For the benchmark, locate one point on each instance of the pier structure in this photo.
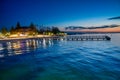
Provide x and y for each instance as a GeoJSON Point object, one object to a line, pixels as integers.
{"type": "Point", "coordinates": [80, 38]}
{"type": "Point", "coordinates": [66, 38]}
{"type": "Point", "coordinates": [87, 38]}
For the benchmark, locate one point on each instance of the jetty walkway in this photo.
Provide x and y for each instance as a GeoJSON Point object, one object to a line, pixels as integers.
{"type": "Point", "coordinates": [87, 38]}
{"type": "Point", "coordinates": [66, 38]}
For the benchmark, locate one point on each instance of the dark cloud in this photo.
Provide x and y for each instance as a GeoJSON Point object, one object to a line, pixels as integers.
{"type": "Point", "coordinates": [113, 18]}
{"type": "Point", "coordinates": [80, 27]}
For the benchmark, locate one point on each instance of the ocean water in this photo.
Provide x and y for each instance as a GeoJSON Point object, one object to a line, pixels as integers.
{"type": "Point", "coordinates": [60, 60]}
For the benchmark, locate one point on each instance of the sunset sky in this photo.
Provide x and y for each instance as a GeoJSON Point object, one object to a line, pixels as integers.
{"type": "Point", "coordinates": [60, 13]}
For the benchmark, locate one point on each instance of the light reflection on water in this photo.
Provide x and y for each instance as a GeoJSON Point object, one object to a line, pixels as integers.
{"type": "Point", "coordinates": [59, 60]}
{"type": "Point", "coordinates": [20, 47]}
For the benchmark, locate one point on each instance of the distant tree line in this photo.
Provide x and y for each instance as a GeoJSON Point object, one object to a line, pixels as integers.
{"type": "Point", "coordinates": [46, 30]}
{"type": "Point", "coordinates": [32, 26]}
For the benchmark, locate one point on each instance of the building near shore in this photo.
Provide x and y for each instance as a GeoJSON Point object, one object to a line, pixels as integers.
{"type": "Point", "coordinates": [23, 31]}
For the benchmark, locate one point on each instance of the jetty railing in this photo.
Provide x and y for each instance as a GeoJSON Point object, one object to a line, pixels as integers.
{"type": "Point", "coordinates": [87, 38]}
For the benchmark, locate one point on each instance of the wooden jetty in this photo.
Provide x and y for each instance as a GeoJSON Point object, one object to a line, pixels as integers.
{"type": "Point", "coordinates": [66, 38]}
{"type": "Point", "coordinates": [87, 38]}
{"type": "Point", "coordinates": [80, 38]}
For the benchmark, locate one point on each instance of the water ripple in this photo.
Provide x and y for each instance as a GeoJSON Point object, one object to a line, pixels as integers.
{"type": "Point", "coordinates": [59, 60]}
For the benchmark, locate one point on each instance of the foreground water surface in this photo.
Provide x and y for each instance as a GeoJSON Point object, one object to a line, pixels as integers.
{"type": "Point", "coordinates": [60, 60]}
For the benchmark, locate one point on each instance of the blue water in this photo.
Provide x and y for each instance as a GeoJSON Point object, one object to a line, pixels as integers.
{"type": "Point", "coordinates": [59, 60]}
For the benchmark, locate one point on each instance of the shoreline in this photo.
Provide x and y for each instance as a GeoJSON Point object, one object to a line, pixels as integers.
{"type": "Point", "coordinates": [68, 37]}
{"type": "Point", "coordinates": [24, 38]}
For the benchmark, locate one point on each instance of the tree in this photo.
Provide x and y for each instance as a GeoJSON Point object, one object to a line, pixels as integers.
{"type": "Point", "coordinates": [18, 25]}
{"type": "Point", "coordinates": [4, 30]}
{"type": "Point", "coordinates": [12, 30]}
{"type": "Point", "coordinates": [33, 27]}
{"type": "Point", "coordinates": [41, 31]}
{"type": "Point", "coordinates": [55, 30]}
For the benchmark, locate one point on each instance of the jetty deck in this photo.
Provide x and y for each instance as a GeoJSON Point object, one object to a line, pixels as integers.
{"type": "Point", "coordinates": [87, 38]}
{"type": "Point", "coordinates": [67, 38]}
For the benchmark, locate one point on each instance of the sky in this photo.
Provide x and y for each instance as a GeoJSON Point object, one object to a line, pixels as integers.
{"type": "Point", "coordinates": [59, 13]}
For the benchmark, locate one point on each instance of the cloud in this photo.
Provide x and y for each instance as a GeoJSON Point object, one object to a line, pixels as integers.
{"type": "Point", "coordinates": [113, 18]}
{"type": "Point", "coordinates": [80, 27]}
